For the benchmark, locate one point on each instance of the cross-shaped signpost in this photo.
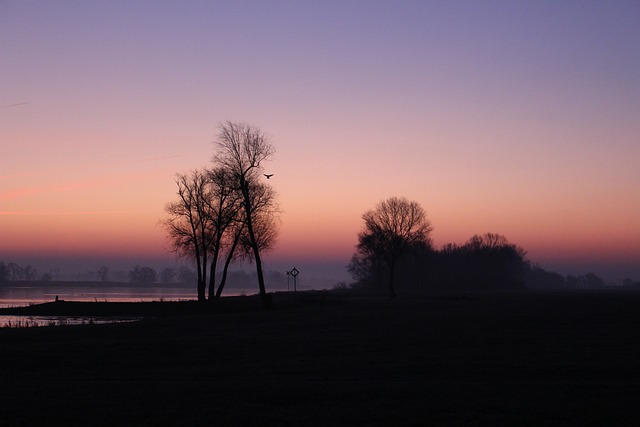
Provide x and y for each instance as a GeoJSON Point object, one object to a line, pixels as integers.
{"type": "Point", "coordinates": [294, 273]}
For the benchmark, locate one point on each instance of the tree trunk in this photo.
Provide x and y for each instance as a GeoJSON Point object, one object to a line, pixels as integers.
{"type": "Point", "coordinates": [201, 291]}
{"type": "Point", "coordinates": [200, 286]}
{"type": "Point", "coordinates": [392, 268]}
{"type": "Point", "coordinates": [266, 301]}
{"type": "Point", "coordinates": [223, 280]}
{"type": "Point", "coordinates": [212, 271]}
{"type": "Point", "coordinates": [204, 278]}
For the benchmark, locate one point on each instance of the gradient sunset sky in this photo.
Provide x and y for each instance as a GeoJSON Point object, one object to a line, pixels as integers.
{"type": "Point", "coordinates": [513, 117]}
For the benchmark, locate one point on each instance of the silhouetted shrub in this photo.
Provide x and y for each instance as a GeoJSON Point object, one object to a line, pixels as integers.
{"type": "Point", "coordinates": [143, 275]}
{"type": "Point", "coordinates": [484, 262]}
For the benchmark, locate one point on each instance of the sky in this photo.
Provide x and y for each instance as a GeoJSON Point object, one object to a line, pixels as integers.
{"type": "Point", "coordinates": [520, 118]}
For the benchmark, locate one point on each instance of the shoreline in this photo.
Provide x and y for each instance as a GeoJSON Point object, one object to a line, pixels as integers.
{"type": "Point", "coordinates": [348, 359]}
{"type": "Point", "coordinates": [160, 308]}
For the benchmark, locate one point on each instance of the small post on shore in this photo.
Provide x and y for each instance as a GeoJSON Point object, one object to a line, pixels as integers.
{"type": "Point", "coordinates": [295, 273]}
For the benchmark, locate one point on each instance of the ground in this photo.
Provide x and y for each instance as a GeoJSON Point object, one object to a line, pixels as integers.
{"type": "Point", "coordinates": [470, 359]}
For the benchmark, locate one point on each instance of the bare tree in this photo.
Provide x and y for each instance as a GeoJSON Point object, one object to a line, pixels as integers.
{"type": "Point", "coordinates": [390, 230]}
{"type": "Point", "coordinates": [143, 275]}
{"type": "Point", "coordinates": [222, 206]}
{"type": "Point", "coordinates": [103, 274]}
{"type": "Point", "coordinates": [167, 274]}
{"type": "Point", "coordinates": [241, 149]}
{"type": "Point", "coordinates": [487, 241]}
{"type": "Point", "coordinates": [4, 272]}
{"type": "Point", "coordinates": [265, 225]}
{"type": "Point", "coordinates": [186, 275]}
{"type": "Point", "coordinates": [189, 225]}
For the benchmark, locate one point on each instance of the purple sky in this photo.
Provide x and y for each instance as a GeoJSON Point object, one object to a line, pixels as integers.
{"type": "Point", "coordinates": [518, 118]}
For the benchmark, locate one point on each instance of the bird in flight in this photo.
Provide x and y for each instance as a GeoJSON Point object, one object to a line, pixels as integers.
{"type": "Point", "coordinates": [269, 175]}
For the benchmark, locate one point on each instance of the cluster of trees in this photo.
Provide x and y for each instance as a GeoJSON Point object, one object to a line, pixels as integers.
{"type": "Point", "coordinates": [181, 274]}
{"type": "Point", "coordinates": [13, 272]}
{"type": "Point", "coordinates": [226, 211]}
{"type": "Point", "coordinates": [487, 261]}
{"type": "Point", "coordinates": [395, 246]}
{"type": "Point", "coordinates": [538, 278]}
{"type": "Point", "coordinates": [144, 274]}
{"type": "Point", "coordinates": [167, 275]}
{"type": "Point", "coordinates": [393, 230]}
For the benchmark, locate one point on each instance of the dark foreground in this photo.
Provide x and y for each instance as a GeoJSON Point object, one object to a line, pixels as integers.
{"type": "Point", "coordinates": [479, 359]}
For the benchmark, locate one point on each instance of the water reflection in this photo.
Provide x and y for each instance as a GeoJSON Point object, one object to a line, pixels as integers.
{"type": "Point", "coordinates": [39, 321]}
{"type": "Point", "coordinates": [18, 294]}
{"type": "Point", "coordinates": [26, 293]}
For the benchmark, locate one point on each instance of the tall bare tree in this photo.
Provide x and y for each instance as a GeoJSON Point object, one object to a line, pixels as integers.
{"type": "Point", "coordinates": [200, 220]}
{"type": "Point", "coordinates": [223, 207]}
{"type": "Point", "coordinates": [241, 149]}
{"type": "Point", "coordinates": [390, 230]}
{"type": "Point", "coordinates": [189, 223]}
{"type": "Point", "coordinates": [265, 225]}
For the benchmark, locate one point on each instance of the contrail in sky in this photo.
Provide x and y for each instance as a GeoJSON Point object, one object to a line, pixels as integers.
{"type": "Point", "coordinates": [13, 105]}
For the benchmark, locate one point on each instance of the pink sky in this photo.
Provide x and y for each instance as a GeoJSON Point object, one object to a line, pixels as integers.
{"type": "Point", "coordinates": [519, 119]}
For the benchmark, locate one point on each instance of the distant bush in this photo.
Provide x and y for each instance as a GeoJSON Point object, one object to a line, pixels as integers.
{"type": "Point", "coordinates": [143, 275]}
{"type": "Point", "coordinates": [487, 262]}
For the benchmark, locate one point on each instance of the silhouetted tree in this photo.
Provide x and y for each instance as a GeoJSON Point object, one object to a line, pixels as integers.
{"type": "Point", "coordinates": [590, 281]}
{"type": "Point", "coordinates": [203, 221]}
{"type": "Point", "coordinates": [241, 149]}
{"type": "Point", "coordinates": [587, 281]}
{"type": "Point", "coordinates": [143, 275]}
{"type": "Point", "coordinates": [4, 272]}
{"type": "Point", "coordinates": [491, 262]}
{"type": "Point", "coordinates": [103, 274]}
{"type": "Point", "coordinates": [167, 275]}
{"type": "Point", "coordinates": [190, 225]}
{"type": "Point", "coordinates": [571, 281]}
{"type": "Point", "coordinates": [390, 231]}
{"type": "Point", "coordinates": [224, 207]}
{"type": "Point", "coordinates": [367, 264]}
{"type": "Point", "coordinates": [486, 242]}
{"type": "Point", "coordinates": [15, 272]}
{"type": "Point", "coordinates": [186, 275]}
{"type": "Point", "coordinates": [630, 283]}
{"type": "Point", "coordinates": [30, 273]}
{"type": "Point", "coordinates": [539, 278]}
{"type": "Point", "coordinates": [484, 262]}
{"type": "Point", "coordinates": [265, 224]}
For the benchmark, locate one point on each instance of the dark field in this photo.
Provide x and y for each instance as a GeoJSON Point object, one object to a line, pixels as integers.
{"type": "Point", "coordinates": [454, 360]}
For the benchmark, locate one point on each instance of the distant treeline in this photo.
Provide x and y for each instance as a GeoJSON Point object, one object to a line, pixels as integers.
{"type": "Point", "coordinates": [12, 272]}
{"type": "Point", "coordinates": [487, 262]}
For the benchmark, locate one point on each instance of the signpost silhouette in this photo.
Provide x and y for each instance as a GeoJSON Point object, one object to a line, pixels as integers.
{"type": "Point", "coordinates": [294, 273]}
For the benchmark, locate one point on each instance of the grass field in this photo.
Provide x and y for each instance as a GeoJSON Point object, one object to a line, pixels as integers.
{"type": "Point", "coordinates": [482, 359]}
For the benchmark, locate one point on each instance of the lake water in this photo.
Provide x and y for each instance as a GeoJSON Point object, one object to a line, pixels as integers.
{"type": "Point", "coordinates": [17, 294]}
{"type": "Point", "coordinates": [36, 321]}
{"type": "Point", "coordinates": [25, 293]}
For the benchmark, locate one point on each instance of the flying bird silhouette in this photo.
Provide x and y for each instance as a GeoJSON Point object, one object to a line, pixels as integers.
{"type": "Point", "coordinates": [268, 175]}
